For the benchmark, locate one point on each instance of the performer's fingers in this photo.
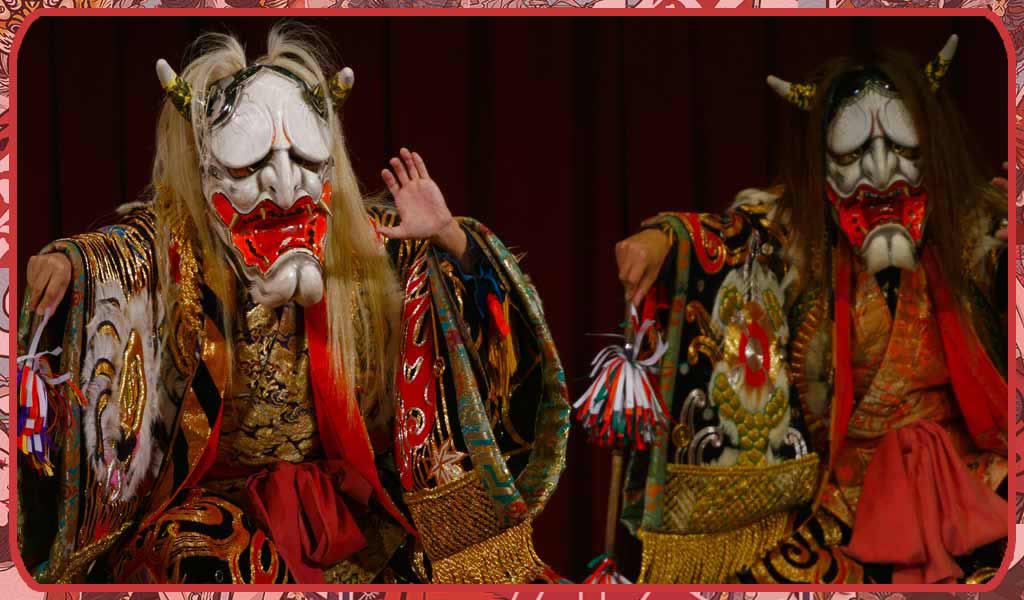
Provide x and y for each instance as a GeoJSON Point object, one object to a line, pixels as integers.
{"type": "Point", "coordinates": [622, 252]}
{"type": "Point", "coordinates": [420, 165]}
{"type": "Point", "coordinates": [35, 292]}
{"type": "Point", "coordinates": [634, 273]}
{"type": "Point", "coordinates": [395, 233]}
{"type": "Point", "coordinates": [389, 180]}
{"type": "Point", "coordinates": [53, 294]}
{"type": "Point", "coordinates": [36, 280]}
{"type": "Point", "coordinates": [399, 170]}
{"type": "Point", "coordinates": [645, 285]}
{"type": "Point", "coordinates": [409, 165]}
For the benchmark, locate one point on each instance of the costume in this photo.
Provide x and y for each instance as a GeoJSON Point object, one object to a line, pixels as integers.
{"type": "Point", "coordinates": [217, 424]}
{"type": "Point", "coordinates": [839, 412]}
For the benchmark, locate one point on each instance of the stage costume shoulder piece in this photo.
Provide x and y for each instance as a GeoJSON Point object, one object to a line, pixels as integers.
{"type": "Point", "coordinates": [208, 436]}
{"type": "Point", "coordinates": [845, 428]}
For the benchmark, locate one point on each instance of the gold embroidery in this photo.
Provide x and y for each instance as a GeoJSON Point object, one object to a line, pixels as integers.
{"type": "Point", "coordinates": [453, 516]}
{"type": "Point", "coordinates": [132, 395]}
{"type": "Point", "coordinates": [753, 428]}
{"type": "Point", "coordinates": [187, 313]}
{"type": "Point", "coordinates": [798, 349]}
{"type": "Point", "coordinates": [462, 537]}
{"type": "Point", "coordinates": [269, 416]}
{"type": "Point", "coordinates": [708, 558]}
{"type": "Point", "coordinates": [208, 526]}
{"type": "Point", "coordinates": [703, 499]}
{"type": "Point", "coordinates": [900, 377]}
{"type": "Point", "coordinates": [804, 557]}
{"type": "Point", "coordinates": [122, 253]}
{"type": "Point", "coordinates": [508, 557]}
{"type": "Point", "coordinates": [78, 565]}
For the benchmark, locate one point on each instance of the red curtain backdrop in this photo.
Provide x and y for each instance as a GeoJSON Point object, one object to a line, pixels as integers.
{"type": "Point", "coordinates": [559, 133]}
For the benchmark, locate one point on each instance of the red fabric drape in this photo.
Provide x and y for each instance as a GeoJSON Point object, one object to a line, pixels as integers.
{"type": "Point", "coordinates": [920, 499]}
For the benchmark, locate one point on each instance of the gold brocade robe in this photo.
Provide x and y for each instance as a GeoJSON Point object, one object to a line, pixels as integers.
{"type": "Point", "coordinates": [785, 511]}
{"type": "Point", "coordinates": [146, 349]}
{"type": "Point", "coordinates": [900, 377]}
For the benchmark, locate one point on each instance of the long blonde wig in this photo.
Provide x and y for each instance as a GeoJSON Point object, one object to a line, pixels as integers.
{"type": "Point", "coordinates": [361, 288]}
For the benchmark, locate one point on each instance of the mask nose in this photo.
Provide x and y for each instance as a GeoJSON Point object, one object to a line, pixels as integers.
{"type": "Point", "coordinates": [880, 163]}
{"type": "Point", "coordinates": [281, 178]}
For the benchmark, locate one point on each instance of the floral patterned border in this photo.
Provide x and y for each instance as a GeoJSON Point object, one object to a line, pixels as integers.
{"type": "Point", "coordinates": [13, 14]}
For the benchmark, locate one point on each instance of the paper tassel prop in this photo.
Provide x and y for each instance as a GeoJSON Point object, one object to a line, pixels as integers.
{"type": "Point", "coordinates": [605, 572]}
{"type": "Point", "coordinates": [39, 393]}
{"type": "Point", "coordinates": [621, 408]}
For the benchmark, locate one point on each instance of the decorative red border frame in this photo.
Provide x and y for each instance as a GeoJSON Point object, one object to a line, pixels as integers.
{"type": "Point", "coordinates": [20, 15]}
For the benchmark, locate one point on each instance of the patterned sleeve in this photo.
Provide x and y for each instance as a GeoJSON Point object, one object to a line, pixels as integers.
{"type": "Point", "coordinates": [107, 330]}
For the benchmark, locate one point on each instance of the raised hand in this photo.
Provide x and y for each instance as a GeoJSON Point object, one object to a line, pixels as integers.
{"type": "Point", "coordinates": [421, 206]}
{"type": "Point", "coordinates": [639, 258]}
{"type": "Point", "coordinates": [47, 277]}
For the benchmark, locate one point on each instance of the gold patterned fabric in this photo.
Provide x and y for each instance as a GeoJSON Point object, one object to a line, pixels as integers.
{"type": "Point", "coordinates": [812, 552]}
{"type": "Point", "coordinates": [720, 520]}
{"type": "Point", "coordinates": [900, 377]}
{"type": "Point", "coordinates": [269, 417]}
{"type": "Point", "coordinates": [709, 557]}
{"type": "Point", "coordinates": [464, 540]}
{"type": "Point", "coordinates": [699, 522]}
{"type": "Point", "coordinates": [702, 499]}
{"type": "Point", "coordinates": [194, 522]}
{"type": "Point", "coordinates": [204, 537]}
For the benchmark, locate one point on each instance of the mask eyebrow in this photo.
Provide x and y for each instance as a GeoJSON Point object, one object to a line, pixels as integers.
{"type": "Point", "coordinates": [245, 138]}
{"type": "Point", "coordinates": [308, 134]}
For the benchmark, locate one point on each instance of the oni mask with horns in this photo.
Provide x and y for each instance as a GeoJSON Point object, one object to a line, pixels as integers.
{"type": "Point", "coordinates": [873, 160]}
{"type": "Point", "coordinates": [266, 173]}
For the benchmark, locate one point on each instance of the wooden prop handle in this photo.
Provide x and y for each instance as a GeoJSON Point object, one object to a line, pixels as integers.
{"type": "Point", "coordinates": [618, 458]}
{"type": "Point", "coordinates": [614, 492]}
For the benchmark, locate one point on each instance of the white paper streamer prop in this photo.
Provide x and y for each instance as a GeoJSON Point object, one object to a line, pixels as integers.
{"type": "Point", "coordinates": [621, 408]}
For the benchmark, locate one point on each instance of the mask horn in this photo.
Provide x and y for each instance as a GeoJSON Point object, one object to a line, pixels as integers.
{"type": "Point", "coordinates": [800, 95]}
{"type": "Point", "coordinates": [936, 70]}
{"type": "Point", "coordinates": [179, 92]}
{"type": "Point", "coordinates": [341, 86]}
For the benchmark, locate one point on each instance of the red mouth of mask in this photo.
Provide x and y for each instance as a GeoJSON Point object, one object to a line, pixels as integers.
{"type": "Point", "coordinates": [867, 208]}
{"type": "Point", "coordinates": [268, 232]}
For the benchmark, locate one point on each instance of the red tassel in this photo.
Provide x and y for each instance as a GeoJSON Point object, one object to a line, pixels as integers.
{"type": "Point", "coordinates": [498, 314]}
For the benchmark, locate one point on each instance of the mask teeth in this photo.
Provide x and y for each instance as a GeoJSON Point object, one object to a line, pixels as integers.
{"type": "Point", "coordinates": [327, 209]}
{"type": "Point", "coordinates": [234, 221]}
{"type": "Point", "coordinates": [263, 213]}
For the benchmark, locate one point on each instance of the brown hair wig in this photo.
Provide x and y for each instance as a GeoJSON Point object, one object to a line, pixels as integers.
{"type": "Point", "coordinates": [959, 192]}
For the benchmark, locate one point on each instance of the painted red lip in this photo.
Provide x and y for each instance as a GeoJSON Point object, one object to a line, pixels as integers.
{"type": "Point", "coordinates": [266, 233]}
{"type": "Point", "coordinates": [879, 207]}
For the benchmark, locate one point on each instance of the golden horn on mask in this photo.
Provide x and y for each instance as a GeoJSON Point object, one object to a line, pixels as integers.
{"type": "Point", "coordinates": [936, 69]}
{"type": "Point", "coordinates": [179, 92]}
{"type": "Point", "coordinates": [339, 86]}
{"type": "Point", "coordinates": [800, 95]}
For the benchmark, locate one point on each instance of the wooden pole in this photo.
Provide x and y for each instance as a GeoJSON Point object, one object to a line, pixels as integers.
{"type": "Point", "coordinates": [614, 493]}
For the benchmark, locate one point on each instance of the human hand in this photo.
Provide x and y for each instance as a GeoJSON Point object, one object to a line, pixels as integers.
{"type": "Point", "coordinates": [639, 258]}
{"type": "Point", "coordinates": [47, 277]}
{"type": "Point", "coordinates": [421, 206]}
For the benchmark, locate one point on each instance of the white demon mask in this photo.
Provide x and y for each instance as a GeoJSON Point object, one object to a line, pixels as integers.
{"type": "Point", "coordinates": [266, 167]}
{"type": "Point", "coordinates": [873, 173]}
{"type": "Point", "coordinates": [873, 161]}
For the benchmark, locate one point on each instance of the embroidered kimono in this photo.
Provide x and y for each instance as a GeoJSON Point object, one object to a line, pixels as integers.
{"type": "Point", "coordinates": [178, 464]}
{"type": "Point", "coordinates": [820, 435]}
